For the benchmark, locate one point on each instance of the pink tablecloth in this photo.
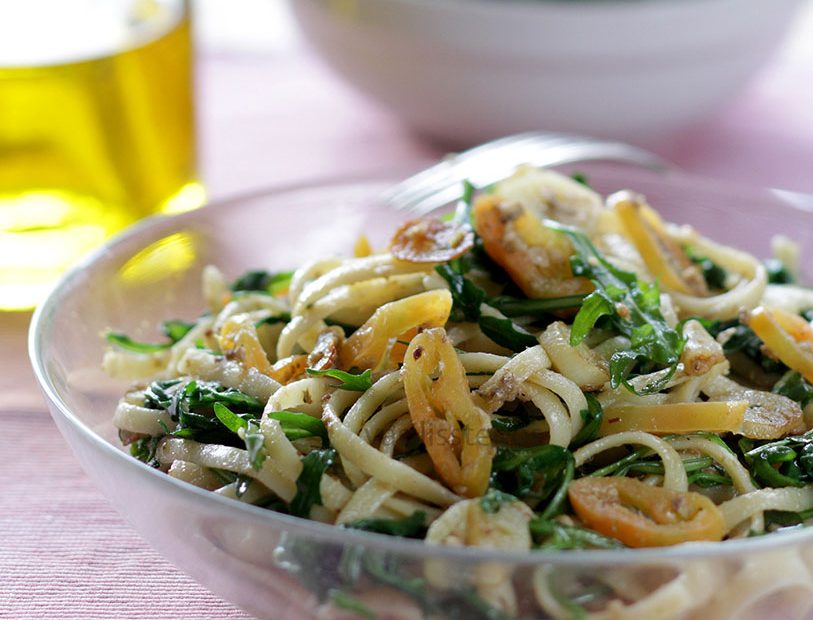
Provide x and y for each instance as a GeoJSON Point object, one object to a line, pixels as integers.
{"type": "Point", "coordinates": [271, 118]}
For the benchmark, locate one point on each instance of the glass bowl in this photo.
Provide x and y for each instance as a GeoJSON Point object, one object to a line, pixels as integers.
{"type": "Point", "coordinates": [277, 566]}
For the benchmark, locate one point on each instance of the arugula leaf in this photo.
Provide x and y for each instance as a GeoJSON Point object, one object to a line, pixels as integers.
{"type": "Point", "coordinates": [466, 296]}
{"type": "Point", "coordinates": [175, 329]}
{"type": "Point", "coordinates": [506, 333]}
{"type": "Point", "coordinates": [191, 405]}
{"type": "Point", "coordinates": [508, 424]}
{"type": "Point", "coordinates": [794, 386]}
{"type": "Point", "coordinates": [144, 450]}
{"type": "Point", "coordinates": [255, 445]}
{"type": "Point", "coordinates": [230, 420]}
{"type": "Point", "coordinates": [633, 308]}
{"type": "Point", "coordinates": [580, 177]}
{"type": "Point", "coordinates": [123, 341]}
{"type": "Point", "coordinates": [714, 275]}
{"type": "Point", "coordinates": [348, 602]}
{"type": "Point", "coordinates": [355, 383]}
{"type": "Point", "coordinates": [592, 416]}
{"type": "Point", "coordinates": [252, 434]}
{"type": "Point", "coordinates": [551, 534]}
{"type": "Point", "coordinates": [777, 272]}
{"type": "Point", "coordinates": [743, 340]}
{"type": "Point", "coordinates": [262, 281]}
{"type": "Point", "coordinates": [298, 425]}
{"type": "Point", "coordinates": [534, 475]}
{"type": "Point", "coordinates": [314, 464]}
{"type": "Point", "coordinates": [413, 526]}
{"type": "Point", "coordinates": [782, 463]}
{"type": "Point", "coordinates": [462, 213]}
{"type": "Point", "coordinates": [538, 308]}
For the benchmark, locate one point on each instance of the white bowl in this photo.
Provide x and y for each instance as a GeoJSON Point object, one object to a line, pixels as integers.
{"type": "Point", "coordinates": [466, 71]}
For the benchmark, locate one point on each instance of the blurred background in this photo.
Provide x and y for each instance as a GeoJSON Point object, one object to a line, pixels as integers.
{"type": "Point", "coordinates": [211, 99]}
{"type": "Point", "coordinates": [110, 111]}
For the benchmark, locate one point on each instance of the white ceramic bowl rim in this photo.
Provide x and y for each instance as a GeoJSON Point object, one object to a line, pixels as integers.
{"type": "Point", "coordinates": [331, 533]}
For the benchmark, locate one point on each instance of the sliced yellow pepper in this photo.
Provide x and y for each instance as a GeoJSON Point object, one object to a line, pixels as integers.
{"type": "Point", "coordinates": [238, 340]}
{"type": "Point", "coordinates": [663, 257]}
{"type": "Point", "coordinates": [369, 344]}
{"type": "Point", "coordinates": [713, 417]}
{"type": "Point", "coordinates": [453, 429]}
{"type": "Point", "coordinates": [536, 257]}
{"type": "Point", "coordinates": [787, 336]}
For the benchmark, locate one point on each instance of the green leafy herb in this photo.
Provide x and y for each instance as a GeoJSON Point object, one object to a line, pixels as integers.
{"type": "Point", "coordinates": [535, 475]}
{"type": "Point", "coordinates": [782, 463]}
{"type": "Point", "coordinates": [466, 296]}
{"type": "Point", "coordinates": [191, 405]}
{"type": "Point", "coordinates": [314, 464]}
{"type": "Point", "coordinates": [714, 275]}
{"type": "Point", "coordinates": [298, 425]}
{"type": "Point", "coordinates": [580, 177]}
{"type": "Point", "coordinates": [633, 309]}
{"type": "Point", "coordinates": [346, 601]}
{"type": "Point", "coordinates": [413, 526]}
{"type": "Point", "coordinates": [255, 445]}
{"type": "Point", "coordinates": [252, 435]}
{"type": "Point", "coordinates": [794, 386]}
{"type": "Point", "coordinates": [123, 341]}
{"type": "Point", "coordinates": [741, 339]}
{"type": "Point", "coordinates": [778, 273]}
{"type": "Point", "coordinates": [506, 333]}
{"type": "Point", "coordinates": [176, 329]}
{"type": "Point", "coordinates": [462, 214]}
{"type": "Point", "coordinates": [550, 534]}
{"type": "Point", "coordinates": [144, 450]}
{"type": "Point", "coordinates": [701, 470]}
{"type": "Point", "coordinates": [592, 417]}
{"type": "Point", "coordinates": [508, 424]}
{"type": "Point", "coordinates": [467, 299]}
{"type": "Point", "coordinates": [262, 281]}
{"type": "Point", "coordinates": [807, 315]}
{"type": "Point", "coordinates": [355, 383]}
{"type": "Point", "coordinates": [230, 420]}
{"type": "Point", "coordinates": [494, 499]}
{"type": "Point", "coordinates": [537, 308]}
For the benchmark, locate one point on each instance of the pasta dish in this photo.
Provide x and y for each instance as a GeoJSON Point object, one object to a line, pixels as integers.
{"type": "Point", "coordinates": [541, 369]}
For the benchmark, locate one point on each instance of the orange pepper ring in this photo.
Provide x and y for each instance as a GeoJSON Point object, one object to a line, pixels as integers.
{"type": "Point", "coordinates": [640, 515]}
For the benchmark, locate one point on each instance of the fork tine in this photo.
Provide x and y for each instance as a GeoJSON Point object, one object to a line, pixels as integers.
{"type": "Point", "coordinates": [495, 160]}
{"type": "Point", "coordinates": [426, 182]}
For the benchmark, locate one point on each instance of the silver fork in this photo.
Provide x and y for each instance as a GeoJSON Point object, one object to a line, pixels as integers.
{"type": "Point", "coordinates": [490, 162]}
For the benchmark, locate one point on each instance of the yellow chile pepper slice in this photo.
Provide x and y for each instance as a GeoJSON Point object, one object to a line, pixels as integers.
{"type": "Point", "coordinates": [369, 344]}
{"type": "Point", "coordinates": [431, 240]}
{"type": "Point", "coordinates": [238, 340]}
{"type": "Point", "coordinates": [663, 257]}
{"type": "Point", "coordinates": [536, 257]}
{"type": "Point", "coordinates": [714, 417]}
{"type": "Point", "coordinates": [788, 336]}
{"type": "Point", "coordinates": [454, 430]}
{"type": "Point", "coordinates": [640, 515]}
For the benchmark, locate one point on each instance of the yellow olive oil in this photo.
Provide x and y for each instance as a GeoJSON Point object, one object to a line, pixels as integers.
{"type": "Point", "coordinates": [90, 145]}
